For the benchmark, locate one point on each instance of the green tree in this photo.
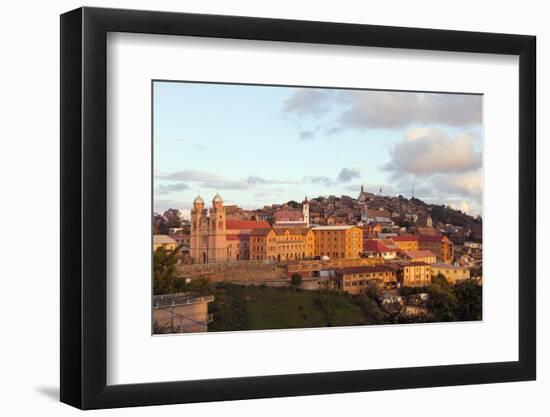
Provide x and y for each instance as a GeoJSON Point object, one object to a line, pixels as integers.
{"type": "Point", "coordinates": [201, 286]}
{"type": "Point", "coordinates": [164, 271]}
{"type": "Point", "coordinates": [442, 302]}
{"type": "Point", "coordinates": [296, 280]}
{"type": "Point", "coordinates": [469, 296]}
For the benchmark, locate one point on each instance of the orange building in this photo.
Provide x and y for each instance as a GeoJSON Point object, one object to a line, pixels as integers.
{"type": "Point", "coordinates": [357, 280]}
{"type": "Point", "coordinates": [415, 274]}
{"type": "Point", "coordinates": [441, 246]}
{"type": "Point", "coordinates": [337, 242]}
{"type": "Point", "coordinates": [405, 242]}
{"type": "Point", "coordinates": [281, 244]}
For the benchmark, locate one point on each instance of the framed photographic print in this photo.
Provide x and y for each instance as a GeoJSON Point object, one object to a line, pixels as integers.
{"type": "Point", "coordinates": [258, 207]}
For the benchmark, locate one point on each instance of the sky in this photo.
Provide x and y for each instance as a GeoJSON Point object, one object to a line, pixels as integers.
{"type": "Point", "coordinates": [258, 145]}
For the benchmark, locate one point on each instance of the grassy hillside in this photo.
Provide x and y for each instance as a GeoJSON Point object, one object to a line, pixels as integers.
{"type": "Point", "coordinates": [257, 307]}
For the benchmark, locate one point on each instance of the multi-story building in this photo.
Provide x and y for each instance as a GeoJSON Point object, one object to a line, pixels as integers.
{"type": "Point", "coordinates": [338, 242]}
{"type": "Point", "coordinates": [452, 273]}
{"type": "Point", "coordinates": [357, 280]}
{"type": "Point", "coordinates": [281, 244]}
{"type": "Point", "coordinates": [413, 274]}
{"type": "Point", "coordinates": [440, 245]}
{"type": "Point", "coordinates": [405, 242]}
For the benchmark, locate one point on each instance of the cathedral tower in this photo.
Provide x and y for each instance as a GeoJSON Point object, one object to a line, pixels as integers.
{"type": "Point", "coordinates": [199, 232]}
{"type": "Point", "coordinates": [217, 245]}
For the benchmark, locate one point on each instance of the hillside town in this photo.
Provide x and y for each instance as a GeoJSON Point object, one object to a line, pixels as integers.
{"type": "Point", "coordinates": [389, 249]}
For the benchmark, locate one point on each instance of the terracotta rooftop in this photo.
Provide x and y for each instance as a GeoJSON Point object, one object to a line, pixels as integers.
{"type": "Point", "coordinates": [419, 254]}
{"type": "Point", "coordinates": [376, 246]}
{"type": "Point", "coordinates": [246, 224]}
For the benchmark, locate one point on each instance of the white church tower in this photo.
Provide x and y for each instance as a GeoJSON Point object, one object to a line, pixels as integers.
{"type": "Point", "coordinates": [305, 211]}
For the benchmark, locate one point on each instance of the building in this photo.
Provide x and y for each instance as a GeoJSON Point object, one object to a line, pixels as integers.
{"type": "Point", "coordinates": [441, 246]}
{"type": "Point", "coordinates": [413, 274]}
{"type": "Point", "coordinates": [377, 249]}
{"type": "Point", "coordinates": [452, 273]}
{"type": "Point", "coordinates": [282, 244]}
{"type": "Point", "coordinates": [362, 199]}
{"type": "Point", "coordinates": [357, 280]}
{"type": "Point", "coordinates": [338, 242]}
{"type": "Point", "coordinates": [293, 218]}
{"type": "Point", "coordinates": [405, 243]}
{"type": "Point", "coordinates": [181, 313]}
{"type": "Point", "coordinates": [214, 238]}
{"type": "Point", "coordinates": [164, 241]}
{"type": "Point", "coordinates": [420, 256]}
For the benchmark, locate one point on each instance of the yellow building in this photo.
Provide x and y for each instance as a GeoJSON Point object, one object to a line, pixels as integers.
{"type": "Point", "coordinates": [415, 274]}
{"type": "Point", "coordinates": [281, 244]}
{"type": "Point", "coordinates": [452, 273]}
{"type": "Point", "coordinates": [405, 243]}
{"type": "Point", "coordinates": [163, 241]}
{"type": "Point", "coordinates": [337, 242]}
{"type": "Point", "coordinates": [357, 280]}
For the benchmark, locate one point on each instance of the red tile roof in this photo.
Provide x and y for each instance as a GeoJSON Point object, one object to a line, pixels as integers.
{"type": "Point", "coordinates": [376, 246]}
{"type": "Point", "coordinates": [246, 224]}
{"type": "Point", "coordinates": [419, 254]}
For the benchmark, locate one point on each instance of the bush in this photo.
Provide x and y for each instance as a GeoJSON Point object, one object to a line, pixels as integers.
{"type": "Point", "coordinates": [296, 279]}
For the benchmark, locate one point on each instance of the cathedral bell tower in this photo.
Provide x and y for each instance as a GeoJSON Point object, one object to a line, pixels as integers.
{"type": "Point", "coordinates": [199, 232]}
{"type": "Point", "coordinates": [217, 245]}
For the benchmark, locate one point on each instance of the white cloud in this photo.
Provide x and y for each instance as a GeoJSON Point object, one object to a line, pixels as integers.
{"type": "Point", "coordinates": [394, 109]}
{"type": "Point", "coordinates": [368, 109]}
{"type": "Point", "coordinates": [431, 151]}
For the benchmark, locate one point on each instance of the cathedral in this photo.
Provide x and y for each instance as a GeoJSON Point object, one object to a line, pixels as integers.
{"type": "Point", "coordinates": [208, 231]}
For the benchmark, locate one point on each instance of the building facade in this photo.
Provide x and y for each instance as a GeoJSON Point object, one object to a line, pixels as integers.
{"type": "Point", "coordinates": [441, 246]}
{"type": "Point", "coordinates": [414, 274]}
{"type": "Point", "coordinates": [338, 242]}
{"type": "Point", "coordinates": [452, 274]}
{"type": "Point", "coordinates": [357, 280]}
{"type": "Point", "coordinates": [282, 244]}
{"type": "Point", "coordinates": [405, 243]}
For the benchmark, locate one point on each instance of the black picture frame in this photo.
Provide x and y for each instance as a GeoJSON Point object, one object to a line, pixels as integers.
{"type": "Point", "coordinates": [84, 207]}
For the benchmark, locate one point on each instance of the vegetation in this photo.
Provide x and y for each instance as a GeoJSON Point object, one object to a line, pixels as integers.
{"type": "Point", "coordinates": [237, 307]}
{"type": "Point", "coordinates": [164, 271]}
{"type": "Point", "coordinates": [166, 280]}
{"type": "Point", "coordinates": [296, 280]}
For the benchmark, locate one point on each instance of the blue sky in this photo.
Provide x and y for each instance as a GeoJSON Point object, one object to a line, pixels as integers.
{"type": "Point", "coordinates": [260, 145]}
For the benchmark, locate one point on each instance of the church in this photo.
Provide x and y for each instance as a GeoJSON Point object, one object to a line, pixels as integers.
{"type": "Point", "coordinates": [214, 238]}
